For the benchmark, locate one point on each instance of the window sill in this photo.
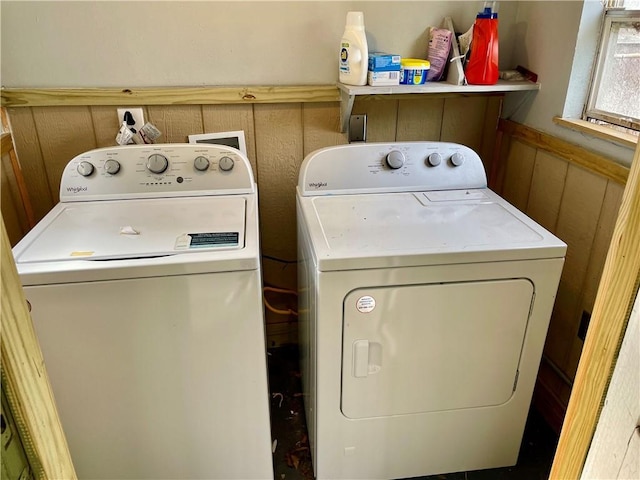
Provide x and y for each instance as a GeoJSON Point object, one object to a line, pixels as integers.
{"type": "Point", "coordinates": [605, 133]}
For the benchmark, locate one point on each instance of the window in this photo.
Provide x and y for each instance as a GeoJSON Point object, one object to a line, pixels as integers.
{"type": "Point", "coordinates": [615, 91]}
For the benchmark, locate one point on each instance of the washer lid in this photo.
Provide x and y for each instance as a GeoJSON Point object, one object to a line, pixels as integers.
{"type": "Point", "coordinates": [125, 229]}
{"type": "Point", "coordinates": [425, 228]}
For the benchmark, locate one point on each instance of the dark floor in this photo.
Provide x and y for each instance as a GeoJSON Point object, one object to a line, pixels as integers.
{"type": "Point", "coordinates": [292, 459]}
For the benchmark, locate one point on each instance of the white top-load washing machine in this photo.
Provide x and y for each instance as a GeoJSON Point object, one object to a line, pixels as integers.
{"type": "Point", "coordinates": [424, 305]}
{"type": "Point", "coordinates": [146, 296]}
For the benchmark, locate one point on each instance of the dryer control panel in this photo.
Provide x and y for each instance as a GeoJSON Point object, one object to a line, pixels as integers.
{"type": "Point", "coordinates": [391, 167]}
{"type": "Point", "coordinates": [159, 170]}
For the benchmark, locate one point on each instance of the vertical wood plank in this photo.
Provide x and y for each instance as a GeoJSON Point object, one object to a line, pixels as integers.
{"type": "Point", "coordinates": [279, 151]}
{"type": "Point", "coordinates": [463, 121]}
{"type": "Point", "coordinates": [25, 380]}
{"type": "Point", "coordinates": [419, 119]}
{"type": "Point", "coordinates": [176, 122]}
{"type": "Point", "coordinates": [490, 132]}
{"type": "Point", "coordinates": [518, 172]}
{"type": "Point", "coordinates": [604, 231]}
{"type": "Point", "coordinates": [230, 118]}
{"type": "Point", "coordinates": [27, 147]}
{"type": "Point", "coordinates": [381, 117]}
{"type": "Point", "coordinates": [321, 126]}
{"type": "Point", "coordinates": [577, 222]}
{"type": "Point", "coordinates": [14, 216]}
{"type": "Point", "coordinates": [499, 164]}
{"type": "Point", "coordinates": [616, 294]}
{"type": "Point", "coordinates": [547, 187]}
{"type": "Point", "coordinates": [64, 132]}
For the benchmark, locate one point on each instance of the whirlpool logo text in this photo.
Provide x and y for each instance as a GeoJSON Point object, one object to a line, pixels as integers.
{"type": "Point", "coordinates": [76, 189]}
{"type": "Point", "coordinates": [317, 184]}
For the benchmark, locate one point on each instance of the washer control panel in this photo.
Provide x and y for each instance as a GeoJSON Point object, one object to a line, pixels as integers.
{"type": "Point", "coordinates": [391, 167]}
{"type": "Point", "coordinates": [159, 170]}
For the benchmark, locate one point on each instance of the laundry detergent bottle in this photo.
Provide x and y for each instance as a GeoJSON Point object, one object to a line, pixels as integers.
{"type": "Point", "coordinates": [354, 53]}
{"type": "Point", "coordinates": [482, 68]}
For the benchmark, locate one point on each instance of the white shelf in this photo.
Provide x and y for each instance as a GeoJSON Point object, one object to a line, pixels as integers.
{"type": "Point", "coordinates": [348, 93]}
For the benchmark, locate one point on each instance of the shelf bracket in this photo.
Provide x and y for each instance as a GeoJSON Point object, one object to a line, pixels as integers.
{"type": "Point", "coordinates": [346, 105]}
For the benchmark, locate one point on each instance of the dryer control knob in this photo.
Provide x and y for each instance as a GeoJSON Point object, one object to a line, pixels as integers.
{"type": "Point", "coordinates": [85, 168]}
{"type": "Point", "coordinates": [395, 159]}
{"type": "Point", "coordinates": [112, 166]}
{"type": "Point", "coordinates": [157, 163]}
{"type": "Point", "coordinates": [226, 164]}
{"type": "Point", "coordinates": [201, 164]}
{"type": "Point", "coordinates": [434, 159]}
{"type": "Point", "coordinates": [457, 159]}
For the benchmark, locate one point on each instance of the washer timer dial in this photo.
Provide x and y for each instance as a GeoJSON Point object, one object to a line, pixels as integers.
{"type": "Point", "coordinates": [201, 164]}
{"type": "Point", "coordinates": [112, 166]}
{"type": "Point", "coordinates": [157, 163]}
{"type": "Point", "coordinates": [226, 164]}
{"type": "Point", "coordinates": [85, 168]}
{"type": "Point", "coordinates": [395, 159]}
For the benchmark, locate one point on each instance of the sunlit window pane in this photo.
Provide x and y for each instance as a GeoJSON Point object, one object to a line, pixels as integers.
{"type": "Point", "coordinates": [619, 91]}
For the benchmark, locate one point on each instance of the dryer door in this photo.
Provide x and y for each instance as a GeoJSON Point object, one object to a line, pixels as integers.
{"type": "Point", "coordinates": [425, 348]}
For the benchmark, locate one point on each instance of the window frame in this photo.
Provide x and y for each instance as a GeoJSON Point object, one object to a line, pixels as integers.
{"type": "Point", "coordinates": [591, 112]}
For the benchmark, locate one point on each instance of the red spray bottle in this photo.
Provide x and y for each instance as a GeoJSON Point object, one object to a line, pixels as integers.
{"type": "Point", "coordinates": [482, 68]}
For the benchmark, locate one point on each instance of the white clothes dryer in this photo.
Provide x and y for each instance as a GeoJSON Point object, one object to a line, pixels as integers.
{"type": "Point", "coordinates": [424, 305]}
{"type": "Point", "coordinates": [146, 296]}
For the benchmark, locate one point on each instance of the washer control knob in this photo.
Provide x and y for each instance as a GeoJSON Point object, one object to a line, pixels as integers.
{"type": "Point", "coordinates": [85, 168]}
{"type": "Point", "coordinates": [157, 163]}
{"type": "Point", "coordinates": [112, 166]}
{"type": "Point", "coordinates": [434, 159]}
{"type": "Point", "coordinates": [201, 164]}
{"type": "Point", "coordinates": [395, 159]}
{"type": "Point", "coordinates": [226, 164]}
{"type": "Point", "coordinates": [457, 159]}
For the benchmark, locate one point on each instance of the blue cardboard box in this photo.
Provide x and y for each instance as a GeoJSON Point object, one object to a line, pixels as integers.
{"type": "Point", "coordinates": [383, 62]}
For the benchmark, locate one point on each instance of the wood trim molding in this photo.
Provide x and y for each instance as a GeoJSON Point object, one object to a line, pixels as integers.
{"type": "Point", "coordinates": [573, 153]}
{"type": "Point", "coordinates": [600, 131]}
{"type": "Point", "coordinates": [46, 97]}
{"type": "Point", "coordinates": [614, 301]}
{"type": "Point", "coordinates": [25, 380]}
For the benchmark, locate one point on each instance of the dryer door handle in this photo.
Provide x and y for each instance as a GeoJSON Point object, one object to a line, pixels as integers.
{"type": "Point", "coordinates": [367, 358]}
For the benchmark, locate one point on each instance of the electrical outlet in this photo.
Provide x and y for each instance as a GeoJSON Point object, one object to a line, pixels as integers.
{"type": "Point", "coordinates": [358, 128]}
{"type": "Point", "coordinates": [136, 116]}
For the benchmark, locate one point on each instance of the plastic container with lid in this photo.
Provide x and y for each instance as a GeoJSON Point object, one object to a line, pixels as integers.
{"type": "Point", "coordinates": [482, 68]}
{"type": "Point", "coordinates": [354, 52]}
{"type": "Point", "coordinates": [413, 71]}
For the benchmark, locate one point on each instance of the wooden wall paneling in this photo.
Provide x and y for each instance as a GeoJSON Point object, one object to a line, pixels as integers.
{"type": "Point", "coordinates": [577, 222]}
{"type": "Point", "coordinates": [419, 118]}
{"type": "Point", "coordinates": [602, 240]}
{"type": "Point", "coordinates": [321, 126]}
{"type": "Point", "coordinates": [616, 295]}
{"type": "Point", "coordinates": [14, 216]}
{"type": "Point", "coordinates": [382, 116]}
{"type": "Point", "coordinates": [27, 146]}
{"type": "Point", "coordinates": [518, 171]}
{"type": "Point", "coordinates": [547, 187]}
{"type": "Point", "coordinates": [490, 132]}
{"type": "Point", "coordinates": [230, 118]}
{"type": "Point", "coordinates": [175, 122]}
{"type": "Point", "coordinates": [64, 132]}
{"type": "Point", "coordinates": [463, 121]}
{"type": "Point", "coordinates": [279, 150]}
{"type": "Point", "coordinates": [499, 164]}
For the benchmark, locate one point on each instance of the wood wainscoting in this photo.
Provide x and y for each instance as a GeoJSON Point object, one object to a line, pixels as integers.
{"type": "Point", "coordinates": [575, 194]}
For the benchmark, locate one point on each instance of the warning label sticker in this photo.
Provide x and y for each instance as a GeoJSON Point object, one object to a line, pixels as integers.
{"type": "Point", "coordinates": [208, 239]}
